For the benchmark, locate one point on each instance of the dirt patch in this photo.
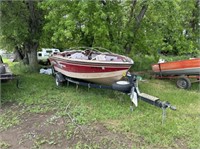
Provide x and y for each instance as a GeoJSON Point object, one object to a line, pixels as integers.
{"type": "Point", "coordinates": [24, 134]}
{"type": "Point", "coordinates": [180, 143]}
{"type": "Point", "coordinates": [47, 130]}
{"type": "Point", "coordinates": [50, 131]}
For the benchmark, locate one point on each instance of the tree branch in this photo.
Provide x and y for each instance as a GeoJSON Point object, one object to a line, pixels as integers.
{"type": "Point", "coordinates": [132, 10]}
{"type": "Point", "coordinates": [108, 20]}
{"type": "Point", "coordinates": [138, 21]}
{"type": "Point", "coordinates": [141, 14]}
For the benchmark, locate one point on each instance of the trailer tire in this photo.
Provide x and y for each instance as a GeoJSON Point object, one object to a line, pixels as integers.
{"type": "Point", "coordinates": [123, 86]}
{"type": "Point", "coordinates": [183, 82]}
{"type": "Point", "coordinates": [58, 83]}
{"type": "Point", "coordinates": [53, 71]}
{"type": "Point", "coordinates": [59, 79]}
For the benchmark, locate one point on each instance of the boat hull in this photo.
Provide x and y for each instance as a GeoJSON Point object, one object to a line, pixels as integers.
{"type": "Point", "coordinates": [93, 71]}
{"type": "Point", "coordinates": [183, 67]}
{"type": "Point", "coordinates": [107, 78]}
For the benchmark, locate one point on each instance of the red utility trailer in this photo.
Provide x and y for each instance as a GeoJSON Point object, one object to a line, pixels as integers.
{"type": "Point", "coordinates": [183, 71]}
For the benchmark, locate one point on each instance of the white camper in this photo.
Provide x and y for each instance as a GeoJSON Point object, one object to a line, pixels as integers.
{"type": "Point", "coordinates": [45, 53]}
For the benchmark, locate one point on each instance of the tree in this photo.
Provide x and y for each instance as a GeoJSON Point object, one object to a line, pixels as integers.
{"type": "Point", "coordinates": [93, 23]}
{"type": "Point", "coordinates": [168, 26]}
{"type": "Point", "coordinates": [21, 28]}
{"type": "Point", "coordinates": [138, 28]}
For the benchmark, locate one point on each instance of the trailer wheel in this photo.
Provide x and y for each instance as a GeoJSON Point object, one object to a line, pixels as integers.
{"type": "Point", "coordinates": [59, 79]}
{"type": "Point", "coordinates": [183, 82]}
{"type": "Point", "coordinates": [58, 83]}
{"type": "Point", "coordinates": [123, 86]}
{"type": "Point", "coordinates": [53, 71]}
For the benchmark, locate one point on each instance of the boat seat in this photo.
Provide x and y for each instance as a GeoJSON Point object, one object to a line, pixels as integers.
{"type": "Point", "coordinates": [78, 56]}
{"type": "Point", "coordinates": [100, 57]}
{"type": "Point", "coordinates": [111, 58]}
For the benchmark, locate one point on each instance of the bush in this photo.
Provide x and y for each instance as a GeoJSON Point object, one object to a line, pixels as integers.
{"type": "Point", "coordinates": [170, 58]}
{"type": "Point", "coordinates": [20, 68]}
{"type": "Point", "coordinates": [143, 62]}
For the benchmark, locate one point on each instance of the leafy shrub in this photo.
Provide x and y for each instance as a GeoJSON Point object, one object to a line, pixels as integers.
{"type": "Point", "coordinates": [170, 58]}
{"type": "Point", "coordinates": [143, 62]}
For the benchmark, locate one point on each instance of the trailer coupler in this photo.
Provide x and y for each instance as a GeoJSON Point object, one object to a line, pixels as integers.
{"type": "Point", "coordinates": [135, 94]}
{"type": "Point", "coordinates": [156, 101]}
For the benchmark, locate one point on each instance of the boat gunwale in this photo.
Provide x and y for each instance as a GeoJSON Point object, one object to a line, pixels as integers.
{"type": "Point", "coordinates": [90, 61]}
{"type": "Point", "coordinates": [179, 61]}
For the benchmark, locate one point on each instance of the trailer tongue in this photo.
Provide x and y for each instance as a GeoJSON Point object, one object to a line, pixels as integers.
{"type": "Point", "coordinates": [146, 97]}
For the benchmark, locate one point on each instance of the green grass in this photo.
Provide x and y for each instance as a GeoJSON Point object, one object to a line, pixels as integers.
{"type": "Point", "coordinates": [38, 94]}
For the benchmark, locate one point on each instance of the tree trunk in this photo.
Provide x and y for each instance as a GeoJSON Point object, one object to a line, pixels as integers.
{"type": "Point", "coordinates": [33, 60]}
{"type": "Point", "coordinates": [138, 20]}
{"type": "Point", "coordinates": [25, 59]}
{"type": "Point", "coordinates": [35, 24]}
{"type": "Point", "coordinates": [18, 56]}
{"type": "Point", "coordinates": [134, 2]}
{"type": "Point", "coordinates": [32, 57]}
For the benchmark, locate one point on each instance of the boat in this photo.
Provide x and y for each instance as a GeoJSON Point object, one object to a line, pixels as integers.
{"type": "Point", "coordinates": [181, 67]}
{"type": "Point", "coordinates": [90, 64]}
{"type": "Point", "coordinates": [102, 70]}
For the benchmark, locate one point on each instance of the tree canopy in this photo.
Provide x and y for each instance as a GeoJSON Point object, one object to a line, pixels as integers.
{"type": "Point", "coordinates": [131, 27]}
{"type": "Point", "coordinates": [142, 26]}
{"type": "Point", "coordinates": [21, 28]}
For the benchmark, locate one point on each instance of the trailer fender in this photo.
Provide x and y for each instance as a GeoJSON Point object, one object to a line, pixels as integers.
{"type": "Point", "coordinates": [122, 86]}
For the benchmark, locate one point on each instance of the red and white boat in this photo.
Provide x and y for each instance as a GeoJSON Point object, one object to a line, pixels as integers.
{"type": "Point", "coordinates": [91, 65]}
{"type": "Point", "coordinates": [182, 67]}
{"type": "Point", "coordinates": [103, 68]}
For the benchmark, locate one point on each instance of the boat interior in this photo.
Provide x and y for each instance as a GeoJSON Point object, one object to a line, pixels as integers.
{"type": "Point", "coordinates": [93, 55]}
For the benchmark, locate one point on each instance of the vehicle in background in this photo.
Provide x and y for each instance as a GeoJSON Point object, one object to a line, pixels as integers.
{"type": "Point", "coordinates": [45, 53]}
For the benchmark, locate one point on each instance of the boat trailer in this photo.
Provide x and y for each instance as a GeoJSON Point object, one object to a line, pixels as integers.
{"type": "Point", "coordinates": [129, 87]}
